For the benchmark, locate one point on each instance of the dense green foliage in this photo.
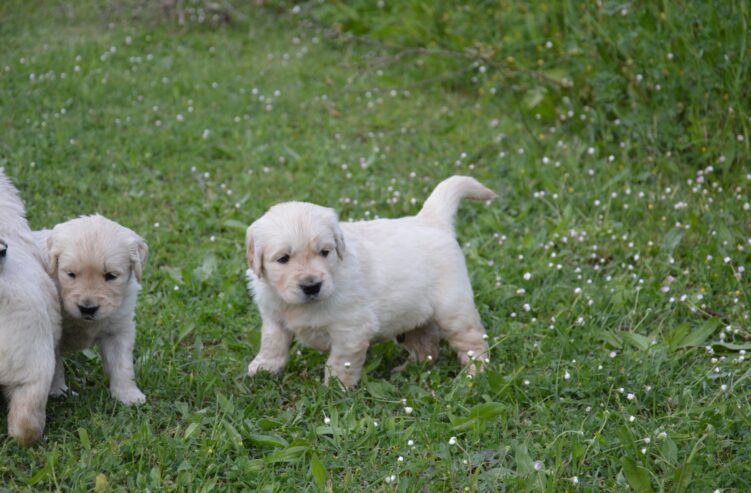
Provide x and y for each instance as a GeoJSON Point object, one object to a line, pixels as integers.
{"type": "Point", "coordinates": [610, 273]}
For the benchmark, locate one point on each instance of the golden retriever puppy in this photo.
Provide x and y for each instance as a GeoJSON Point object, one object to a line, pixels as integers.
{"type": "Point", "coordinates": [338, 287]}
{"type": "Point", "coordinates": [29, 321]}
{"type": "Point", "coordinates": [97, 266]}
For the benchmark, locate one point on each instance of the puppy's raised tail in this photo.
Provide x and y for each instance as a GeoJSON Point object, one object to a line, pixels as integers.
{"type": "Point", "coordinates": [441, 206]}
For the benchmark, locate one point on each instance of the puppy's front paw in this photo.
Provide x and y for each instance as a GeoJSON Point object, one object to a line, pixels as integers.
{"type": "Point", "coordinates": [58, 389]}
{"type": "Point", "coordinates": [129, 395]}
{"type": "Point", "coordinates": [262, 364]}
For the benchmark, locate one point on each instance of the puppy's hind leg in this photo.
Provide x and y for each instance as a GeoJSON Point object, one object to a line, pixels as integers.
{"type": "Point", "coordinates": [422, 343]}
{"type": "Point", "coordinates": [27, 411]}
{"type": "Point", "coordinates": [462, 328]}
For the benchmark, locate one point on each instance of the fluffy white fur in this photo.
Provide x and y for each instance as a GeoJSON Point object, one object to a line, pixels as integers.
{"type": "Point", "coordinates": [97, 265]}
{"type": "Point", "coordinates": [339, 287]}
{"type": "Point", "coordinates": [29, 321]}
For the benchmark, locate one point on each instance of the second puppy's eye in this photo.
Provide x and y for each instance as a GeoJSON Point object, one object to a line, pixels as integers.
{"type": "Point", "coordinates": [109, 276]}
{"type": "Point", "coordinates": [72, 275]}
{"type": "Point", "coordinates": [283, 259]}
{"type": "Point", "coordinates": [324, 253]}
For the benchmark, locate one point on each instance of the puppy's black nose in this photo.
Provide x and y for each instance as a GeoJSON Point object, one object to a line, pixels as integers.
{"type": "Point", "coordinates": [88, 310]}
{"type": "Point", "coordinates": [3, 249]}
{"type": "Point", "coordinates": [311, 289]}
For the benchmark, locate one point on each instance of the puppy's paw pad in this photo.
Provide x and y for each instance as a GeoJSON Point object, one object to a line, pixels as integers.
{"type": "Point", "coordinates": [129, 397]}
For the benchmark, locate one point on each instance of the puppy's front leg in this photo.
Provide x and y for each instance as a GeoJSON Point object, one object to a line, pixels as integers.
{"type": "Point", "coordinates": [346, 360]}
{"type": "Point", "coordinates": [117, 357]}
{"type": "Point", "coordinates": [58, 386]}
{"type": "Point", "coordinates": [274, 352]}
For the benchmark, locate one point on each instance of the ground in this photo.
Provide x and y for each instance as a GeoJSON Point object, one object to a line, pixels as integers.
{"type": "Point", "coordinates": [609, 274]}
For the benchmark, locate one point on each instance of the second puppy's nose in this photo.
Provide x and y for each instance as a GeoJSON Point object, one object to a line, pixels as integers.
{"type": "Point", "coordinates": [3, 248]}
{"type": "Point", "coordinates": [88, 310]}
{"type": "Point", "coordinates": [311, 289]}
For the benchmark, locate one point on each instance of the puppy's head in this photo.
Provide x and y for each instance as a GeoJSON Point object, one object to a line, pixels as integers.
{"type": "Point", "coordinates": [94, 260]}
{"type": "Point", "coordinates": [295, 248]}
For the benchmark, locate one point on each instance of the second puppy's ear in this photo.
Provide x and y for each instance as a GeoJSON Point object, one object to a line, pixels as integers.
{"type": "Point", "coordinates": [139, 252]}
{"type": "Point", "coordinates": [338, 235]}
{"type": "Point", "coordinates": [53, 251]}
{"type": "Point", "coordinates": [253, 253]}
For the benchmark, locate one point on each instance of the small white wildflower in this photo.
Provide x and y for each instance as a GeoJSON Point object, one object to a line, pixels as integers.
{"type": "Point", "coordinates": [452, 441]}
{"type": "Point", "coordinates": [408, 410]}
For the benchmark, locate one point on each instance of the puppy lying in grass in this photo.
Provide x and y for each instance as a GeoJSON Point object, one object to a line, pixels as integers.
{"type": "Point", "coordinates": [339, 287]}
{"type": "Point", "coordinates": [97, 266]}
{"type": "Point", "coordinates": [29, 321]}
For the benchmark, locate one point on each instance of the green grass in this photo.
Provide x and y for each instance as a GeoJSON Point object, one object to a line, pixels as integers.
{"type": "Point", "coordinates": [611, 261]}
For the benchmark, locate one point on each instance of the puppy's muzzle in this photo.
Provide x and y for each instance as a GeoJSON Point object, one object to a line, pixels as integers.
{"type": "Point", "coordinates": [88, 311]}
{"type": "Point", "coordinates": [311, 289]}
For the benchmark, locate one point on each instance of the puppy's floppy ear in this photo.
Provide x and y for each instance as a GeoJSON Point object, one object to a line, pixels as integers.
{"type": "Point", "coordinates": [253, 253]}
{"type": "Point", "coordinates": [139, 252]}
{"type": "Point", "coordinates": [338, 235]}
{"type": "Point", "coordinates": [53, 252]}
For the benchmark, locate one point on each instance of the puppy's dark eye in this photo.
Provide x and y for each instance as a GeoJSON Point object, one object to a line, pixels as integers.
{"type": "Point", "coordinates": [283, 259]}
{"type": "Point", "coordinates": [109, 276]}
{"type": "Point", "coordinates": [324, 253]}
{"type": "Point", "coordinates": [72, 275]}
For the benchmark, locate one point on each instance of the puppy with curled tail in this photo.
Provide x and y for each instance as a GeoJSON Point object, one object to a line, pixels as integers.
{"type": "Point", "coordinates": [338, 287]}
{"type": "Point", "coordinates": [29, 321]}
{"type": "Point", "coordinates": [97, 265]}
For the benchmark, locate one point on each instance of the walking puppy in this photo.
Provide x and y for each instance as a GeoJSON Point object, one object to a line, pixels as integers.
{"type": "Point", "coordinates": [97, 265]}
{"type": "Point", "coordinates": [29, 321]}
{"type": "Point", "coordinates": [339, 287]}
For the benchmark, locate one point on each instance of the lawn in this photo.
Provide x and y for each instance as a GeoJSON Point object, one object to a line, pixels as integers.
{"type": "Point", "coordinates": [609, 273]}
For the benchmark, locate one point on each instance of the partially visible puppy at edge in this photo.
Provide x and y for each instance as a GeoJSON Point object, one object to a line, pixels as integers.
{"type": "Point", "coordinates": [29, 321]}
{"type": "Point", "coordinates": [337, 287]}
{"type": "Point", "coordinates": [97, 265]}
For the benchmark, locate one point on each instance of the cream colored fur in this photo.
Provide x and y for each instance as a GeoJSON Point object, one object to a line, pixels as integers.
{"type": "Point", "coordinates": [97, 266]}
{"type": "Point", "coordinates": [29, 321]}
{"type": "Point", "coordinates": [378, 280]}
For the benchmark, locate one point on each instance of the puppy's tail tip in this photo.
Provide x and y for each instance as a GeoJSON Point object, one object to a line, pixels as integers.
{"type": "Point", "coordinates": [441, 206]}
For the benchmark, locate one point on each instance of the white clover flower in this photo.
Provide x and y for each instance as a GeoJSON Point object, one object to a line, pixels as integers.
{"type": "Point", "coordinates": [408, 410]}
{"type": "Point", "coordinates": [326, 420]}
{"type": "Point", "coordinates": [527, 276]}
{"type": "Point", "coordinates": [452, 441]}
